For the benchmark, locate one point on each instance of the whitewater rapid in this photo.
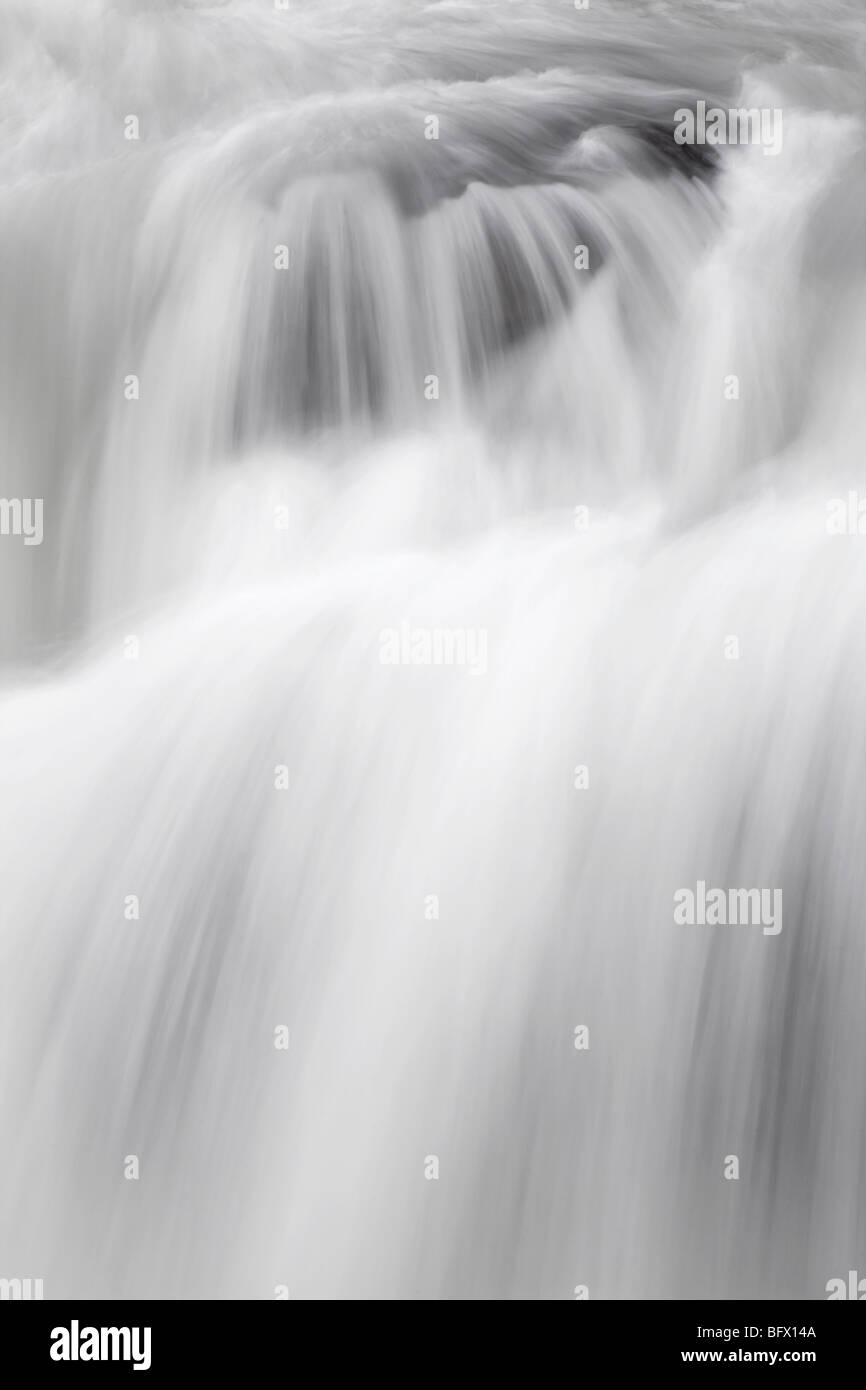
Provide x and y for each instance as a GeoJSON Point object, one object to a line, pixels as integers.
{"type": "Point", "coordinates": [434, 419]}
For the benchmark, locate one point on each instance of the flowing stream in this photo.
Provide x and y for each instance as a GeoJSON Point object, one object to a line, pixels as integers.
{"type": "Point", "coordinates": [436, 577]}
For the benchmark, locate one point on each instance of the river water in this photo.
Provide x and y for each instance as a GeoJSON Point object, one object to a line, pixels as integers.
{"type": "Point", "coordinates": [436, 577]}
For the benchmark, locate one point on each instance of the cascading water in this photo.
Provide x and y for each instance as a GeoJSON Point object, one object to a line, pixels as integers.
{"type": "Point", "coordinates": [435, 579]}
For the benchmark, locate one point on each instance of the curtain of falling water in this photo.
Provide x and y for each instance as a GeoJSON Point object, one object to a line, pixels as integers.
{"type": "Point", "coordinates": [289, 374]}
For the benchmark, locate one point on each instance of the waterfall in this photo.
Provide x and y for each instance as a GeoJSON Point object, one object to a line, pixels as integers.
{"type": "Point", "coordinates": [451, 553]}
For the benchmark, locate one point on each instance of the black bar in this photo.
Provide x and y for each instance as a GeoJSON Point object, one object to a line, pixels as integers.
{"type": "Point", "coordinates": [217, 1339]}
